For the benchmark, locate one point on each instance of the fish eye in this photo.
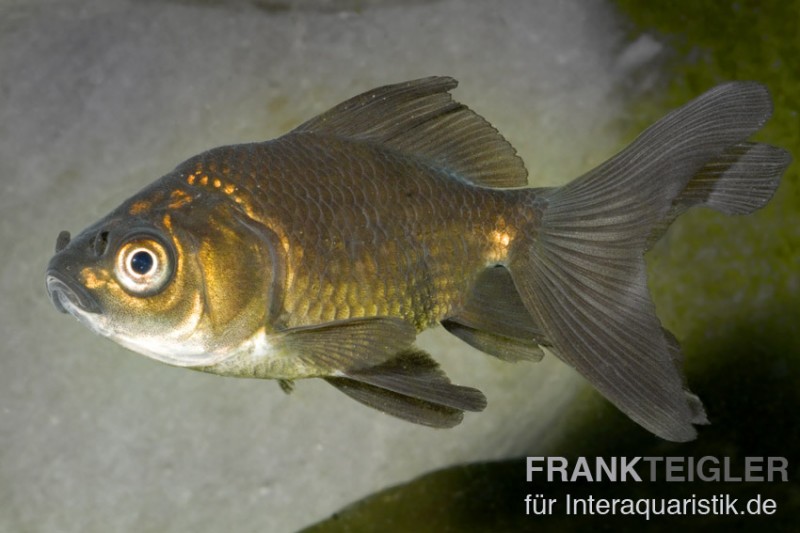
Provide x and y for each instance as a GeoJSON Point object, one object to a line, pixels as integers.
{"type": "Point", "coordinates": [143, 266]}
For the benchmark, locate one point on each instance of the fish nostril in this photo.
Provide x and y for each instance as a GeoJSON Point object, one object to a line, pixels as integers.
{"type": "Point", "coordinates": [100, 243]}
{"type": "Point", "coordinates": [62, 241]}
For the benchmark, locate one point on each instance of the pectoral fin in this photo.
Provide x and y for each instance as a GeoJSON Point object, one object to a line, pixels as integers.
{"type": "Point", "coordinates": [343, 346]}
{"type": "Point", "coordinates": [411, 386]}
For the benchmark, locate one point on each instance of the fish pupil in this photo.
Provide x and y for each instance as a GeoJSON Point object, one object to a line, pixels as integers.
{"type": "Point", "coordinates": [142, 262]}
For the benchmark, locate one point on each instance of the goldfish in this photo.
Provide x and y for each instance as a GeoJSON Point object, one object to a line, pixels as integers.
{"type": "Point", "coordinates": [324, 252]}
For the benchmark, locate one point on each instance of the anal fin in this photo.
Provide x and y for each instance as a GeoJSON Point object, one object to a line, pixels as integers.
{"type": "Point", "coordinates": [494, 319]}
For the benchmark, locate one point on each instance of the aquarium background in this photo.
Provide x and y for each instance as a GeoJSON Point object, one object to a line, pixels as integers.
{"type": "Point", "coordinates": [100, 97]}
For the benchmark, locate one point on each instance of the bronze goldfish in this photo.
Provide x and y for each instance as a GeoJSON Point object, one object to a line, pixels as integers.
{"type": "Point", "coordinates": [324, 252]}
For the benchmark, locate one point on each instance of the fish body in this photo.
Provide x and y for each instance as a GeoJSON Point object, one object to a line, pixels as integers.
{"type": "Point", "coordinates": [323, 253]}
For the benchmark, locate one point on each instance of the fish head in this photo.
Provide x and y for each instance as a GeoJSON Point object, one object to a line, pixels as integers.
{"type": "Point", "coordinates": [185, 285]}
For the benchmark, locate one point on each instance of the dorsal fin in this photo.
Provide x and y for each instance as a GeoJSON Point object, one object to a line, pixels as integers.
{"type": "Point", "coordinates": [419, 118]}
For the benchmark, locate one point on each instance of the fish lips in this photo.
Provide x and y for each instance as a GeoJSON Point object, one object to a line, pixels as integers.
{"type": "Point", "coordinates": [67, 294]}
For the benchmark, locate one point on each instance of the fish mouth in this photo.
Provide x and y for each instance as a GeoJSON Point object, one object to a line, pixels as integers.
{"type": "Point", "coordinates": [70, 297]}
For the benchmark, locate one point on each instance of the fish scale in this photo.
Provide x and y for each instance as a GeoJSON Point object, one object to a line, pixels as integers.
{"type": "Point", "coordinates": [423, 252]}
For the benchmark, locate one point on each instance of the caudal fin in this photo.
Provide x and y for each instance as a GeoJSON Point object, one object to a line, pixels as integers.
{"type": "Point", "coordinates": [580, 272]}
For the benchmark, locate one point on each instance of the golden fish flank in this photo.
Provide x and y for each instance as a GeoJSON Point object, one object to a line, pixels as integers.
{"type": "Point", "coordinates": [324, 252]}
